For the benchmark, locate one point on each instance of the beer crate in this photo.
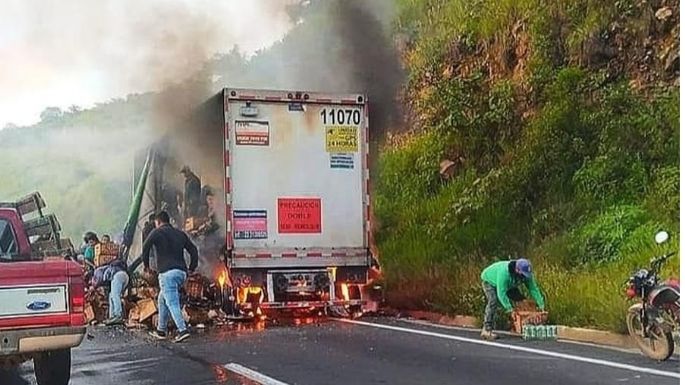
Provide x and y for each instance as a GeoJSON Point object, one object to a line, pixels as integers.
{"type": "Point", "coordinates": [194, 223]}
{"type": "Point", "coordinates": [89, 313]}
{"type": "Point", "coordinates": [105, 253]}
{"type": "Point", "coordinates": [521, 318]}
{"type": "Point", "coordinates": [106, 248]}
{"type": "Point", "coordinates": [194, 287]}
{"type": "Point", "coordinates": [146, 308]}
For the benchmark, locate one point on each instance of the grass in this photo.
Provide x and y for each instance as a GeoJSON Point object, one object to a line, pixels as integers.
{"type": "Point", "coordinates": [587, 297]}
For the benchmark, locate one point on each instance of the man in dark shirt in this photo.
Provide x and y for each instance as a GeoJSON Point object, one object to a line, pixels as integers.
{"type": "Point", "coordinates": [191, 194]}
{"type": "Point", "coordinates": [169, 245]}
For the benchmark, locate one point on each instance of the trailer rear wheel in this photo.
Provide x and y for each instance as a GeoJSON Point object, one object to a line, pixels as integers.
{"type": "Point", "coordinates": [355, 311]}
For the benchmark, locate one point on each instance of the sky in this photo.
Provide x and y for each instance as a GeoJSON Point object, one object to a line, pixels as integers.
{"type": "Point", "coordinates": [80, 52]}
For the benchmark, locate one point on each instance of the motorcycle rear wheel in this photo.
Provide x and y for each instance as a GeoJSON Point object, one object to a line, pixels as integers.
{"type": "Point", "coordinates": [657, 344]}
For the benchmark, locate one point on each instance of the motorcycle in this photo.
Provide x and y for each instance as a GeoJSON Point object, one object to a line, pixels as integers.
{"type": "Point", "coordinates": [653, 321]}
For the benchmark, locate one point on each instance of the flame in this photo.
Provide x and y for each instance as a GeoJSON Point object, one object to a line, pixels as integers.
{"type": "Point", "coordinates": [345, 292]}
{"type": "Point", "coordinates": [222, 279]}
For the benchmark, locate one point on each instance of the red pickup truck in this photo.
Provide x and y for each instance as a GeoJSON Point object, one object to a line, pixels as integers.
{"type": "Point", "coordinates": [41, 292]}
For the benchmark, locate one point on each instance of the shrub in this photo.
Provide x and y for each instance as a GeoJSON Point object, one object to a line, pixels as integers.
{"type": "Point", "coordinates": [600, 239]}
{"type": "Point", "coordinates": [605, 179]}
{"type": "Point", "coordinates": [663, 195]}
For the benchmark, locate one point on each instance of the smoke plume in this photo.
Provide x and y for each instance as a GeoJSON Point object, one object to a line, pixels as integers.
{"type": "Point", "coordinates": [171, 49]}
{"type": "Point", "coordinates": [336, 46]}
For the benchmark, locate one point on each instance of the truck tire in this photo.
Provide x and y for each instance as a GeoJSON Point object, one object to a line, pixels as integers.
{"type": "Point", "coordinates": [356, 312]}
{"type": "Point", "coordinates": [53, 368]}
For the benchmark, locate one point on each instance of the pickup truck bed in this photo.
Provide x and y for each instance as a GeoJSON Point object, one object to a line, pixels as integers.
{"type": "Point", "coordinates": [41, 293]}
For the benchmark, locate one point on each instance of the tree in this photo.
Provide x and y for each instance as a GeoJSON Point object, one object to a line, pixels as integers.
{"type": "Point", "coordinates": [50, 114]}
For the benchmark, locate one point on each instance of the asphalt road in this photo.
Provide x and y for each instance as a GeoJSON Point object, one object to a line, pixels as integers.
{"type": "Point", "coordinates": [373, 351]}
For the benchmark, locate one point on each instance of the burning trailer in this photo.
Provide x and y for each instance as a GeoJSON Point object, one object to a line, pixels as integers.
{"type": "Point", "coordinates": [290, 178]}
{"type": "Point", "coordinates": [297, 200]}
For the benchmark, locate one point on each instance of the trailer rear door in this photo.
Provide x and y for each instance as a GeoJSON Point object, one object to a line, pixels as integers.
{"type": "Point", "coordinates": [296, 178]}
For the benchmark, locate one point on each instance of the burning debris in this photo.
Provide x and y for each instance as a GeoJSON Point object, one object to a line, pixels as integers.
{"type": "Point", "coordinates": [206, 298]}
{"type": "Point", "coordinates": [206, 302]}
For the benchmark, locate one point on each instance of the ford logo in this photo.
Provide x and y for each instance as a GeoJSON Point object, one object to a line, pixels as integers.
{"type": "Point", "coordinates": [38, 305]}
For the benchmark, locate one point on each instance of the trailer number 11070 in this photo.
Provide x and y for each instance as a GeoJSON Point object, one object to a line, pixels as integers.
{"type": "Point", "coordinates": [340, 116]}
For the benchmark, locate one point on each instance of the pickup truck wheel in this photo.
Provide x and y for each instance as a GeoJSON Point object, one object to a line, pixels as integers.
{"type": "Point", "coordinates": [53, 368]}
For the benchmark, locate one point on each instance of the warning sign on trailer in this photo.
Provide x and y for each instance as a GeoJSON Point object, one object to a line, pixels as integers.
{"type": "Point", "coordinates": [251, 133]}
{"type": "Point", "coordinates": [299, 215]}
{"type": "Point", "coordinates": [342, 139]}
{"type": "Point", "coordinates": [249, 224]}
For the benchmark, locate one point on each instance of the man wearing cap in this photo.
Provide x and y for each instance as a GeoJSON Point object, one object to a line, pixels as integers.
{"type": "Point", "coordinates": [498, 281]}
{"type": "Point", "coordinates": [191, 193]}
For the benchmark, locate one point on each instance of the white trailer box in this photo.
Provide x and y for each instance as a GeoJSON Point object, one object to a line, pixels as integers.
{"type": "Point", "coordinates": [297, 200]}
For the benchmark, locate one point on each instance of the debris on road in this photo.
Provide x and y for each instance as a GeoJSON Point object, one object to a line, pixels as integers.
{"type": "Point", "coordinates": [97, 305]}
{"type": "Point", "coordinates": [201, 297]}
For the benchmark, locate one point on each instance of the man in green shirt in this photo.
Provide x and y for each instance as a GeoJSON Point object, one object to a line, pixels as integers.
{"type": "Point", "coordinates": [498, 279]}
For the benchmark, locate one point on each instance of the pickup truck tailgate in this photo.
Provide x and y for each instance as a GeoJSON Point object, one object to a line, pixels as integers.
{"type": "Point", "coordinates": [33, 300]}
{"type": "Point", "coordinates": [36, 293]}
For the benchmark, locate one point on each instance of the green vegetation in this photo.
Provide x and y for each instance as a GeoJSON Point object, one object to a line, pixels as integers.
{"type": "Point", "coordinates": [566, 152]}
{"type": "Point", "coordinates": [85, 181]}
{"type": "Point", "coordinates": [80, 160]}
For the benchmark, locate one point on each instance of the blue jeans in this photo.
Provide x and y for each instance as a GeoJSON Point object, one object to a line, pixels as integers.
{"type": "Point", "coordinates": [169, 300]}
{"type": "Point", "coordinates": [119, 283]}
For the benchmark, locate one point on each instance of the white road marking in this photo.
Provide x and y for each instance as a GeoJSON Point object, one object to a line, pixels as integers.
{"type": "Point", "coordinates": [614, 348]}
{"type": "Point", "coordinates": [506, 333]}
{"type": "Point", "coordinates": [253, 375]}
{"type": "Point", "coordinates": [570, 357]}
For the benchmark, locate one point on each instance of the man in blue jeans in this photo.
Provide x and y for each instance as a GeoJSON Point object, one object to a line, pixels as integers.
{"type": "Point", "coordinates": [169, 245]}
{"type": "Point", "coordinates": [114, 273]}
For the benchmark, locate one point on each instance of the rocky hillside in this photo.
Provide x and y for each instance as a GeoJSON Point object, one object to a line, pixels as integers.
{"type": "Point", "coordinates": [557, 128]}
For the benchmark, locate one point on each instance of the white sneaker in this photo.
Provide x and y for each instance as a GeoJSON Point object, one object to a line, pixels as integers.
{"type": "Point", "coordinates": [184, 335]}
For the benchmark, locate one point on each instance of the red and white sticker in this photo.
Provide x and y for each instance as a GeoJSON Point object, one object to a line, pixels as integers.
{"type": "Point", "coordinates": [299, 215]}
{"type": "Point", "coordinates": [251, 133]}
{"type": "Point", "coordinates": [250, 224]}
